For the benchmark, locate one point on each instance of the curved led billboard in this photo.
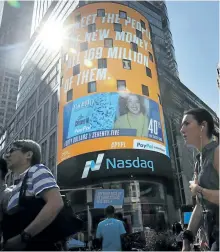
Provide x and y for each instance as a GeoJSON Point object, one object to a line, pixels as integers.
{"type": "Point", "coordinates": [109, 96]}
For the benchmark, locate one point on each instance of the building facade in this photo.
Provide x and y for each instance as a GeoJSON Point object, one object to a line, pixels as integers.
{"type": "Point", "coordinates": [39, 95]}
{"type": "Point", "coordinates": [15, 25]}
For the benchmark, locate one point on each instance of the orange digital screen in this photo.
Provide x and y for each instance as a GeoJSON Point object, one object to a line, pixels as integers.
{"type": "Point", "coordinates": [109, 95]}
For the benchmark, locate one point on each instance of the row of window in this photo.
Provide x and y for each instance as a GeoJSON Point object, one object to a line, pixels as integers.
{"type": "Point", "coordinates": [41, 122]}
{"type": "Point", "coordinates": [102, 63]}
{"type": "Point", "coordinates": [101, 13]}
{"type": "Point", "coordinates": [50, 159]}
{"type": "Point", "coordinates": [92, 87]}
{"type": "Point", "coordinates": [121, 86]}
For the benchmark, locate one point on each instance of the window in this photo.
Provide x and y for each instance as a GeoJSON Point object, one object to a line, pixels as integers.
{"type": "Point", "coordinates": [92, 87]}
{"type": "Point", "coordinates": [117, 27]}
{"type": "Point", "coordinates": [5, 87]}
{"type": "Point", "coordinates": [83, 46]}
{"type": "Point", "coordinates": [100, 12]}
{"type": "Point", "coordinates": [108, 42]}
{"type": "Point", "coordinates": [44, 152]}
{"type": "Point", "coordinates": [121, 85]}
{"type": "Point", "coordinates": [26, 131]}
{"type": "Point", "coordinates": [52, 152]}
{"type": "Point", "coordinates": [20, 119]}
{"type": "Point", "coordinates": [151, 57]}
{"type": "Point", "coordinates": [134, 47]}
{"type": "Point", "coordinates": [148, 72]}
{"type": "Point", "coordinates": [164, 23]}
{"type": "Point", "coordinates": [69, 95]}
{"type": "Point", "coordinates": [45, 117]}
{"type": "Point", "coordinates": [76, 69]}
{"type": "Point", "coordinates": [145, 90]}
{"type": "Point", "coordinates": [123, 14]}
{"type": "Point", "coordinates": [102, 63]}
{"type": "Point", "coordinates": [143, 24]}
{"type": "Point", "coordinates": [126, 64]}
{"type": "Point", "coordinates": [78, 17]}
{"type": "Point", "coordinates": [138, 34]}
{"type": "Point", "coordinates": [31, 105]}
{"type": "Point", "coordinates": [38, 126]}
{"type": "Point", "coordinates": [32, 127]}
{"type": "Point", "coordinates": [54, 109]}
{"type": "Point", "coordinates": [157, 31]}
{"type": "Point", "coordinates": [91, 28]}
{"type": "Point", "coordinates": [21, 135]}
{"type": "Point", "coordinates": [159, 99]}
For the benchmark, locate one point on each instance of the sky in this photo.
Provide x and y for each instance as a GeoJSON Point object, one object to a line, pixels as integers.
{"type": "Point", "coordinates": [195, 29]}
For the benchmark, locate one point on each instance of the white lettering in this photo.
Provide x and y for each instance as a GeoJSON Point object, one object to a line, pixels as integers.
{"type": "Point", "coordinates": [129, 37]}
{"type": "Point", "coordinates": [133, 23]}
{"type": "Point", "coordinates": [112, 52]}
{"type": "Point", "coordinates": [145, 60]}
{"type": "Point", "coordinates": [94, 36]}
{"type": "Point", "coordinates": [110, 18]}
{"type": "Point", "coordinates": [145, 45]}
{"type": "Point", "coordinates": [85, 76]}
{"type": "Point", "coordinates": [127, 21]}
{"type": "Point", "coordinates": [120, 36]}
{"type": "Point", "coordinates": [92, 75]}
{"type": "Point", "coordinates": [140, 58]}
{"type": "Point", "coordinates": [103, 34]}
{"type": "Point", "coordinates": [101, 74]}
{"type": "Point", "coordinates": [83, 19]}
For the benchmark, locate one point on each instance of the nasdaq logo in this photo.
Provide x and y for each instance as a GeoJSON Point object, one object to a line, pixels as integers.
{"type": "Point", "coordinates": [135, 163]}
{"type": "Point", "coordinates": [92, 165]}
{"type": "Point", "coordinates": [116, 164]}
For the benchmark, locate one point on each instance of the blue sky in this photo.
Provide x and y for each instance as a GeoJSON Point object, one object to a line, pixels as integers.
{"type": "Point", "coordinates": [195, 29]}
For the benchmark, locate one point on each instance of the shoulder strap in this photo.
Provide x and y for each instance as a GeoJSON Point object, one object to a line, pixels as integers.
{"type": "Point", "coordinates": [23, 188]}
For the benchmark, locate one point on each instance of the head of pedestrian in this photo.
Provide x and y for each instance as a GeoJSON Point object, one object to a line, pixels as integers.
{"type": "Point", "coordinates": [110, 212]}
{"type": "Point", "coordinates": [119, 216]}
{"type": "Point", "coordinates": [3, 171]}
{"type": "Point", "coordinates": [22, 155]}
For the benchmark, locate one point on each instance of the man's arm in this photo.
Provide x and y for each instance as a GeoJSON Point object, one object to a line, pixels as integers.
{"type": "Point", "coordinates": [51, 209]}
{"type": "Point", "coordinates": [121, 228]}
{"type": "Point", "coordinates": [45, 187]}
{"type": "Point", "coordinates": [98, 232]}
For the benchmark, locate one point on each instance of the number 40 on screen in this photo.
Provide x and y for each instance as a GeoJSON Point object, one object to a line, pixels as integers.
{"type": "Point", "coordinates": [153, 127]}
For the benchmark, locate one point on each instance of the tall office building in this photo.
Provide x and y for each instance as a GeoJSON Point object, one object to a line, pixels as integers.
{"type": "Point", "coordinates": [15, 25]}
{"type": "Point", "coordinates": [39, 93]}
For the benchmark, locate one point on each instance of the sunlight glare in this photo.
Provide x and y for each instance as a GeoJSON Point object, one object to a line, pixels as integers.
{"type": "Point", "coordinates": [52, 35]}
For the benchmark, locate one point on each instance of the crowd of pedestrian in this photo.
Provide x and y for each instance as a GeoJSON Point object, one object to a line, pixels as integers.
{"type": "Point", "coordinates": [32, 216]}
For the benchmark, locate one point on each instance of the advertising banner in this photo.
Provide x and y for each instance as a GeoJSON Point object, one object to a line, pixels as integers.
{"type": "Point", "coordinates": [109, 94]}
{"type": "Point", "coordinates": [106, 197]}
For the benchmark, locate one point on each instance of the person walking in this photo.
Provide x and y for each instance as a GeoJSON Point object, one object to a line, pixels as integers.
{"type": "Point", "coordinates": [110, 230]}
{"type": "Point", "coordinates": [119, 216]}
{"type": "Point", "coordinates": [24, 159]}
{"type": "Point", "coordinates": [198, 129]}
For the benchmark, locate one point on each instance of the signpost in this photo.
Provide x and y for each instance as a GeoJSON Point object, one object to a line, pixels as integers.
{"type": "Point", "coordinates": [106, 197]}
